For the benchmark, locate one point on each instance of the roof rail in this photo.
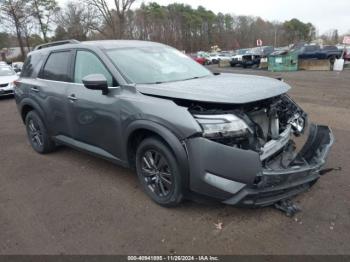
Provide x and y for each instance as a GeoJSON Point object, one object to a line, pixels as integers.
{"type": "Point", "coordinates": [56, 43]}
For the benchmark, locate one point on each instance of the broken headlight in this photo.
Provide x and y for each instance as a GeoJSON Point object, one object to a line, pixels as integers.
{"type": "Point", "coordinates": [226, 125]}
{"type": "Point", "coordinates": [298, 124]}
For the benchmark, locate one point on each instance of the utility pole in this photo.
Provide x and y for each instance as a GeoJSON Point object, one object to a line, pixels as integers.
{"type": "Point", "coordinates": [275, 37]}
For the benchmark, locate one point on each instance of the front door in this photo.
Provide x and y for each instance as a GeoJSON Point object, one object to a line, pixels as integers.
{"type": "Point", "coordinates": [95, 117]}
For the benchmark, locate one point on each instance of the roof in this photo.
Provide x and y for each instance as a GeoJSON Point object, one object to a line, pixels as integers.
{"type": "Point", "coordinates": [102, 44]}
{"type": "Point", "coordinates": [110, 44]}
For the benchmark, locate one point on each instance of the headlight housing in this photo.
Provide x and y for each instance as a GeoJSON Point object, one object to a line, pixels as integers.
{"type": "Point", "coordinates": [298, 123]}
{"type": "Point", "coordinates": [225, 125]}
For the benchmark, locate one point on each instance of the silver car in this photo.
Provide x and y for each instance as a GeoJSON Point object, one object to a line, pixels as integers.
{"type": "Point", "coordinates": [7, 78]}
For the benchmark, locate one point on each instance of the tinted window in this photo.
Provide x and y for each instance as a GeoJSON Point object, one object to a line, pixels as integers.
{"type": "Point", "coordinates": [86, 63]}
{"type": "Point", "coordinates": [32, 65]}
{"type": "Point", "coordinates": [311, 48]}
{"type": "Point", "coordinates": [330, 48]}
{"type": "Point", "coordinates": [57, 67]}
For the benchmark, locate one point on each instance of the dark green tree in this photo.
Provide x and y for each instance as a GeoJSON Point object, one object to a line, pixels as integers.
{"type": "Point", "coordinates": [43, 11]}
{"type": "Point", "coordinates": [14, 13]}
{"type": "Point", "coordinates": [295, 31]}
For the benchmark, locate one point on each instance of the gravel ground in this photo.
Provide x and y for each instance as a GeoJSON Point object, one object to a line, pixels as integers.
{"type": "Point", "coordinates": [69, 202]}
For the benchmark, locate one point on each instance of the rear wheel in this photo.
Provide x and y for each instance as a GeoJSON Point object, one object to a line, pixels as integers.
{"type": "Point", "coordinates": [37, 134]}
{"type": "Point", "coordinates": [158, 172]}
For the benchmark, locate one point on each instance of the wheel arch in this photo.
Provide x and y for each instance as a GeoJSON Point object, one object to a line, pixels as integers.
{"type": "Point", "coordinates": [141, 129]}
{"type": "Point", "coordinates": [28, 105]}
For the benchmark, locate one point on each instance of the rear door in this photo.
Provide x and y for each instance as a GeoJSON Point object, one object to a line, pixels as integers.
{"type": "Point", "coordinates": [50, 91]}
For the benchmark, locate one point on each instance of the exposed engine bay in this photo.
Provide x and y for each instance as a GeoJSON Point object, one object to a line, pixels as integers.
{"type": "Point", "coordinates": [270, 125]}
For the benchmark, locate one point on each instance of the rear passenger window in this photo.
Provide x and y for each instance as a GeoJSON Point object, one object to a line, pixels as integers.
{"type": "Point", "coordinates": [32, 65]}
{"type": "Point", "coordinates": [57, 67]}
{"type": "Point", "coordinates": [86, 63]}
{"type": "Point", "coordinates": [310, 48]}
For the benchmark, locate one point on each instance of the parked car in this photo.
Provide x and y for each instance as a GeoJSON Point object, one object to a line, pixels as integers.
{"type": "Point", "coordinates": [186, 131]}
{"type": "Point", "coordinates": [214, 58]}
{"type": "Point", "coordinates": [246, 58]}
{"type": "Point", "coordinates": [17, 66]}
{"type": "Point", "coordinates": [7, 78]}
{"type": "Point", "coordinates": [204, 55]}
{"type": "Point", "coordinates": [225, 57]}
{"type": "Point", "coordinates": [238, 57]}
{"type": "Point", "coordinates": [316, 52]}
{"type": "Point", "coordinates": [263, 51]}
{"type": "Point", "coordinates": [200, 60]}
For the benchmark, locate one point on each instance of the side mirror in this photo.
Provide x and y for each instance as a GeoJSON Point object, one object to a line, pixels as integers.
{"type": "Point", "coordinates": [96, 82]}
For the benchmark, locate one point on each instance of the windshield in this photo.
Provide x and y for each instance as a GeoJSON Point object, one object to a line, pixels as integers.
{"type": "Point", "coordinates": [148, 65]}
{"type": "Point", "coordinates": [6, 71]}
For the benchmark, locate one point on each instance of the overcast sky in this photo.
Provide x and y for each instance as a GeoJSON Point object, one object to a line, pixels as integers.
{"type": "Point", "coordinates": [324, 14]}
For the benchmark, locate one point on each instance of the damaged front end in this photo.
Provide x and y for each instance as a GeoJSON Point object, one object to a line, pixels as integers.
{"type": "Point", "coordinates": [256, 154]}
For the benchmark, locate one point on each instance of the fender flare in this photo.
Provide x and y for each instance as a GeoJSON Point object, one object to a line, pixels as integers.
{"type": "Point", "coordinates": [35, 106]}
{"type": "Point", "coordinates": [171, 138]}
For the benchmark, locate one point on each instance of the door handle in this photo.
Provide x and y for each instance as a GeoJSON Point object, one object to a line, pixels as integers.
{"type": "Point", "coordinates": [72, 98]}
{"type": "Point", "coordinates": [35, 89]}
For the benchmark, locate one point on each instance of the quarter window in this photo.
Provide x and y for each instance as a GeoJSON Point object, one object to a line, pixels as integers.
{"type": "Point", "coordinates": [86, 63]}
{"type": "Point", "coordinates": [57, 67]}
{"type": "Point", "coordinates": [32, 65]}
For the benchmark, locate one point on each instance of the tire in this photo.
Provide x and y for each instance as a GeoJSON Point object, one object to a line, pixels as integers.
{"type": "Point", "coordinates": [37, 134]}
{"type": "Point", "coordinates": [332, 59]}
{"type": "Point", "coordinates": [158, 172]}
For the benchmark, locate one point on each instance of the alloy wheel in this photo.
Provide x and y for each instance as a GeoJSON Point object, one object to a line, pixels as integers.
{"type": "Point", "coordinates": [156, 173]}
{"type": "Point", "coordinates": [35, 133]}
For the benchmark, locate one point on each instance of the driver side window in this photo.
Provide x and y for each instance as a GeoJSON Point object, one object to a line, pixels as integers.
{"type": "Point", "coordinates": [86, 63]}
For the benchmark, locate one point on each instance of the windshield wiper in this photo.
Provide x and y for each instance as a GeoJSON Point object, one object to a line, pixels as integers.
{"type": "Point", "coordinates": [195, 77]}
{"type": "Point", "coordinates": [162, 82]}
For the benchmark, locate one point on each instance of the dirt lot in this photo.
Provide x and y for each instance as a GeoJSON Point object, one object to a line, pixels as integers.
{"type": "Point", "coordinates": [68, 202]}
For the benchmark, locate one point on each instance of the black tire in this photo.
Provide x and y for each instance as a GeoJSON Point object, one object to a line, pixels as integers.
{"type": "Point", "coordinates": [37, 134]}
{"type": "Point", "coordinates": [158, 172]}
{"type": "Point", "coordinates": [332, 59]}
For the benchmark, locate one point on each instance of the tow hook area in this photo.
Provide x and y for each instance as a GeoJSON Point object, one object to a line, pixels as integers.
{"type": "Point", "coordinates": [288, 207]}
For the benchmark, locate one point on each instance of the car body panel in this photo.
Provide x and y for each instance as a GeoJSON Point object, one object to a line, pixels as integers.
{"type": "Point", "coordinates": [245, 167]}
{"type": "Point", "coordinates": [231, 163]}
{"type": "Point", "coordinates": [223, 88]}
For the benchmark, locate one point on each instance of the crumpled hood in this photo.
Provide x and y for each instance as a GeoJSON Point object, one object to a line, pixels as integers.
{"type": "Point", "coordinates": [223, 88]}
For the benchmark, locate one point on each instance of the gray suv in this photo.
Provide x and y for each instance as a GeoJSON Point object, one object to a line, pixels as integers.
{"type": "Point", "coordinates": [186, 131]}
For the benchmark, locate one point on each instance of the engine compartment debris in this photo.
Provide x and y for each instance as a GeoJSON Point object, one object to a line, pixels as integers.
{"type": "Point", "coordinates": [288, 207]}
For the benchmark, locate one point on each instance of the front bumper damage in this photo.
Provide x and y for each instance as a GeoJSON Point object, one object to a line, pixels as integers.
{"type": "Point", "coordinates": [237, 177]}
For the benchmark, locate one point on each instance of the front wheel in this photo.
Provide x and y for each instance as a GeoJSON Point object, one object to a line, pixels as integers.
{"type": "Point", "coordinates": [158, 172]}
